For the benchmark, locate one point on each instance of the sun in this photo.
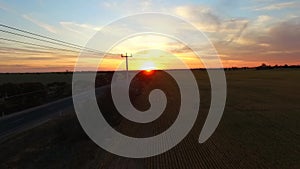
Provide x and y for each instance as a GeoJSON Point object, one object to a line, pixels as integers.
{"type": "Point", "coordinates": [148, 72]}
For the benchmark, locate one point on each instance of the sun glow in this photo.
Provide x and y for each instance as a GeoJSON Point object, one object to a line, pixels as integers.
{"type": "Point", "coordinates": [148, 66]}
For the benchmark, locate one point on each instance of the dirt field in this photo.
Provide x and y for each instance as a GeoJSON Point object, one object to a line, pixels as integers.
{"type": "Point", "coordinates": [259, 129]}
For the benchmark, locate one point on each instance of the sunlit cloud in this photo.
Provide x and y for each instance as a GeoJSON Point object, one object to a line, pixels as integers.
{"type": "Point", "coordinates": [40, 24]}
{"type": "Point", "coordinates": [203, 17]}
{"type": "Point", "coordinates": [279, 6]}
{"type": "Point", "coordinates": [81, 29]}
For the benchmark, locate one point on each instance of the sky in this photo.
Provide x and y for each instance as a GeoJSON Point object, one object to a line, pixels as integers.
{"type": "Point", "coordinates": [244, 33]}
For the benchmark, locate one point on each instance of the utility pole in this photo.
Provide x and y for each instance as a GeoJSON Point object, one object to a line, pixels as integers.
{"type": "Point", "coordinates": [126, 57]}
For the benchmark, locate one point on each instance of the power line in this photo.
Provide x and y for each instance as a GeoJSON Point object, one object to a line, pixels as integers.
{"type": "Point", "coordinates": [42, 40]}
{"type": "Point", "coordinates": [47, 37]}
{"type": "Point", "coordinates": [43, 46]}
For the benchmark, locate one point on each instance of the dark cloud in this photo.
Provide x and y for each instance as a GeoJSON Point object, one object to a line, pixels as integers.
{"type": "Point", "coordinates": [285, 36]}
{"type": "Point", "coordinates": [279, 44]}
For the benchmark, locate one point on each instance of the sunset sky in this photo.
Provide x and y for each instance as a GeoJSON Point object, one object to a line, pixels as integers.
{"type": "Point", "coordinates": [244, 33]}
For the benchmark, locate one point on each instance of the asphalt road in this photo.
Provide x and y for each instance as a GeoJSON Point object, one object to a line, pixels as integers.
{"type": "Point", "coordinates": [32, 117]}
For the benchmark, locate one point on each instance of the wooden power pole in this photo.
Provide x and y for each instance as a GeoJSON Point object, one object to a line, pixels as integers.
{"type": "Point", "coordinates": [126, 57]}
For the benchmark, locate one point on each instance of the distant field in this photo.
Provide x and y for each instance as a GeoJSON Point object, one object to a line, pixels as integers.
{"type": "Point", "coordinates": [261, 119]}
{"type": "Point", "coordinates": [44, 78]}
{"type": "Point", "coordinates": [259, 129]}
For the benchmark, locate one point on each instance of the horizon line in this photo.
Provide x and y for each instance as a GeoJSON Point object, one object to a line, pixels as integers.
{"type": "Point", "coordinates": [225, 68]}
